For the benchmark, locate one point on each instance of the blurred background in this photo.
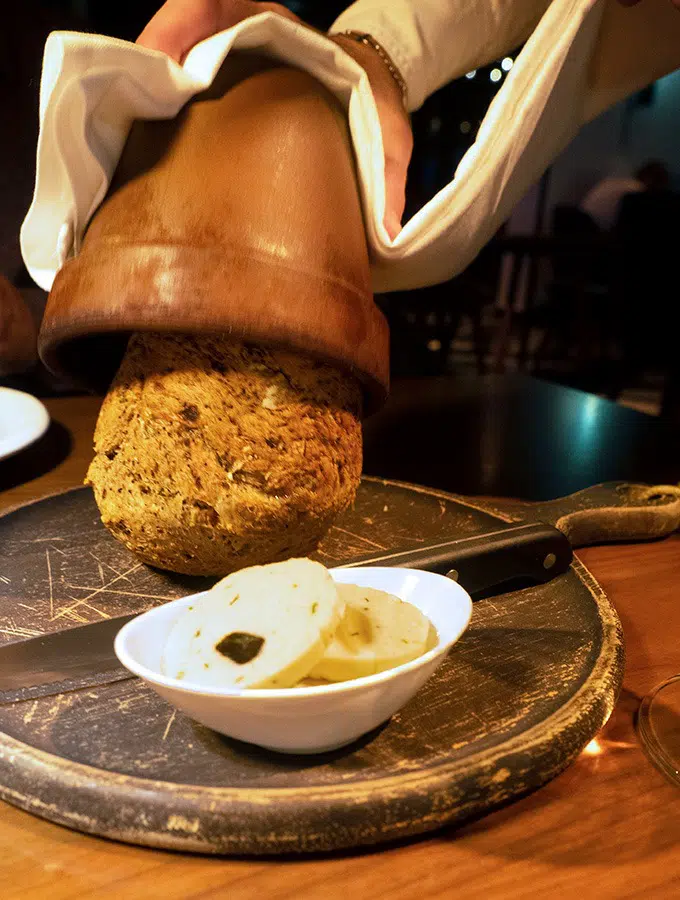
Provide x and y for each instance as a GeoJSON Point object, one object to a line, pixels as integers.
{"type": "Point", "coordinates": [578, 286]}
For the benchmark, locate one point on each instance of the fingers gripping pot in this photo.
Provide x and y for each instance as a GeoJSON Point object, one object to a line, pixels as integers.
{"type": "Point", "coordinates": [230, 259]}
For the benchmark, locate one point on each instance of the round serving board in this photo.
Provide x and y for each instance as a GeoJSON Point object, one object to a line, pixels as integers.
{"type": "Point", "coordinates": [528, 685]}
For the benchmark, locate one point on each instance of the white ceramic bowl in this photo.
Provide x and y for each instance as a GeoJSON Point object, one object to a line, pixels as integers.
{"type": "Point", "coordinates": [305, 719]}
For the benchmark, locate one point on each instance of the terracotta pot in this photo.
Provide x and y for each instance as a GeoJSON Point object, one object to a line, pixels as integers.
{"type": "Point", "coordinates": [240, 216]}
{"type": "Point", "coordinates": [18, 337]}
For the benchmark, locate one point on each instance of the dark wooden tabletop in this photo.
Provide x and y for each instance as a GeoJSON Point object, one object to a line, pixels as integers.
{"type": "Point", "coordinates": [514, 436]}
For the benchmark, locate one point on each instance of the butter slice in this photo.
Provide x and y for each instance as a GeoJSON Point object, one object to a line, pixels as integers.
{"type": "Point", "coordinates": [288, 612]}
{"type": "Point", "coordinates": [378, 631]}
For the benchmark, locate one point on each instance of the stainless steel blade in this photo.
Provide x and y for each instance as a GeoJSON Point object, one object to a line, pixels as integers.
{"type": "Point", "coordinates": [88, 679]}
{"type": "Point", "coordinates": [62, 661]}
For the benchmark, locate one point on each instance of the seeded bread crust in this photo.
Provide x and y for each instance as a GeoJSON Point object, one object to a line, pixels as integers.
{"type": "Point", "coordinates": [211, 455]}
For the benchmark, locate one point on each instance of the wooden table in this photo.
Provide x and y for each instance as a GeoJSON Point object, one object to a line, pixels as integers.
{"type": "Point", "coordinates": [606, 828]}
{"type": "Point", "coordinates": [513, 436]}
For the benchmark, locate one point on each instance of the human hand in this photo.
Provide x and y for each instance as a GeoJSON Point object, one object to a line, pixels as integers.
{"type": "Point", "coordinates": [180, 24]}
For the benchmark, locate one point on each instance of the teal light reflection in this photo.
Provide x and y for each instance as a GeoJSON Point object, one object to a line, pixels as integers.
{"type": "Point", "coordinates": [586, 432]}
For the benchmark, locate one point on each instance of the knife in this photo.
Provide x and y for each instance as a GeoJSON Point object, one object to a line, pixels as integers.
{"type": "Point", "coordinates": [83, 656]}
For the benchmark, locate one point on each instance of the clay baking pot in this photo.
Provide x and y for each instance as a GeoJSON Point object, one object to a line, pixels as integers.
{"type": "Point", "coordinates": [18, 336]}
{"type": "Point", "coordinates": [239, 216]}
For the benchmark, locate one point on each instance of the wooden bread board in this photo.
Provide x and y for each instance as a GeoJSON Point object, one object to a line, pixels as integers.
{"type": "Point", "coordinates": [528, 685]}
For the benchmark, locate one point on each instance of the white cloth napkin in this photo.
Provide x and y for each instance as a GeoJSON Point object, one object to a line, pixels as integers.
{"type": "Point", "coordinates": [93, 88]}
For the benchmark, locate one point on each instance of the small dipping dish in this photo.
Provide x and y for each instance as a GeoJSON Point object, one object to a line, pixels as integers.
{"type": "Point", "coordinates": [312, 719]}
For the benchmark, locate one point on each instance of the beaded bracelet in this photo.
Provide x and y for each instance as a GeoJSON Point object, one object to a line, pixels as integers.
{"type": "Point", "coordinates": [369, 41]}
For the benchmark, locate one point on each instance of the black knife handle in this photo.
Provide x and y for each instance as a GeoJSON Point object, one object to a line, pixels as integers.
{"type": "Point", "coordinates": [537, 552]}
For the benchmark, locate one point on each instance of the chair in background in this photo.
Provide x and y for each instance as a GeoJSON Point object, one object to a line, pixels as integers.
{"type": "Point", "coordinates": [646, 285]}
{"type": "Point", "coordinates": [425, 322]}
{"type": "Point", "coordinates": [558, 290]}
{"type": "Point", "coordinates": [577, 306]}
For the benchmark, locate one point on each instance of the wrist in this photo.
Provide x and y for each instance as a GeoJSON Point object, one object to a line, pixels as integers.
{"type": "Point", "coordinates": [363, 46]}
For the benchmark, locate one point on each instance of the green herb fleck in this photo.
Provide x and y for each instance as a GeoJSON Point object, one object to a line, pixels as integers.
{"type": "Point", "coordinates": [315, 606]}
{"type": "Point", "coordinates": [240, 646]}
{"type": "Point", "coordinates": [206, 665]}
{"type": "Point", "coordinates": [234, 599]}
{"type": "Point", "coordinates": [197, 633]}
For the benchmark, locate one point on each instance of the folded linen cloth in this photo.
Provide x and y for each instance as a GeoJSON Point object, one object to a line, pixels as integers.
{"type": "Point", "coordinates": [93, 88]}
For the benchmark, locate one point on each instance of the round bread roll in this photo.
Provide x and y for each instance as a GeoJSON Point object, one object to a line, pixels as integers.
{"type": "Point", "coordinates": [18, 340]}
{"type": "Point", "coordinates": [212, 455]}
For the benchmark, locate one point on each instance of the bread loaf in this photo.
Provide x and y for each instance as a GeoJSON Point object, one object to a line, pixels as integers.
{"type": "Point", "coordinates": [18, 342]}
{"type": "Point", "coordinates": [212, 455]}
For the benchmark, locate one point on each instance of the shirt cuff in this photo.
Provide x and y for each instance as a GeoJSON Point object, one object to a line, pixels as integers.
{"type": "Point", "coordinates": [434, 41]}
{"type": "Point", "coordinates": [401, 41]}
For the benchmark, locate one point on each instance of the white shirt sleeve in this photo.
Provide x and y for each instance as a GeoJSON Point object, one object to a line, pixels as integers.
{"type": "Point", "coordinates": [635, 46]}
{"type": "Point", "coordinates": [580, 57]}
{"type": "Point", "coordinates": [434, 41]}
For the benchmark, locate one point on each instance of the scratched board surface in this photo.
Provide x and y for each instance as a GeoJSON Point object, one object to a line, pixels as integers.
{"type": "Point", "coordinates": [528, 684]}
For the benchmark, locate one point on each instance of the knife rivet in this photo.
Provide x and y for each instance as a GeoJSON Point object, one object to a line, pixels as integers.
{"type": "Point", "coordinates": [452, 574]}
{"type": "Point", "coordinates": [549, 561]}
